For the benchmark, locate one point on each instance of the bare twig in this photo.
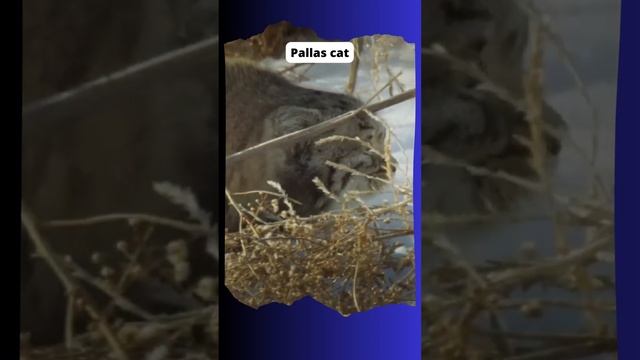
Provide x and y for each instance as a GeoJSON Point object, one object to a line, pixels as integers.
{"type": "Point", "coordinates": [200, 57]}
{"type": "Point", "coordinates": [353, 70]}
{"type": "Point", "coordinates": [315, 129]}
{"type": "Point", "coordinates": [152, 219]}
{"type": "Point", "coordinates": [119, 300]}
{"type": "Point", "coordinates": [43, 249]}
{"type": "Point", "coordinates": [558, 266]}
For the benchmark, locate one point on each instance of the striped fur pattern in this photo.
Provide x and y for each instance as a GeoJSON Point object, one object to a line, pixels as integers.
{"type": "Point", "coordinates": [262, 105]}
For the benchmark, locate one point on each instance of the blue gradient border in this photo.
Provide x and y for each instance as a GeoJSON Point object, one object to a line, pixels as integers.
{"type": "Point", "coordinates": [627, 183]}
{"type": "Point", "coordinates": [307, 329]}
{"type": "Point", "coordinates": [331, 19]}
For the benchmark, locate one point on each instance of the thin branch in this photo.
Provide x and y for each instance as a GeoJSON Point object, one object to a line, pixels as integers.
{"type": "Point", "coordinates": [86, 97]}
{"type": "Point", "coordinates": [54, 262]}
{"type": "Point", "coordinates": [574, 351]}
{"type": "Point", "coordinates": [557, 266]}
{"type": "Point", "coordinates": [119, 300]}
{"type": "Point", "coordinates": [353, 70]}
{"type": "Point", "coordinates": [315, 129]}
{"type": "Point", "coordinates": [152, 219]}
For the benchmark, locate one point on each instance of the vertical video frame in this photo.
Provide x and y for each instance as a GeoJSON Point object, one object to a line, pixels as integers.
{"type": "Point", "coordinates": [319, 198]}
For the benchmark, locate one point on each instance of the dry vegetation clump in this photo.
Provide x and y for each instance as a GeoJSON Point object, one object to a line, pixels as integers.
{"type": "Point", "coordinates": [469, 309]}
{"type": "Point", "coordinates": [118, 326]}
{"type": "Point", "coordinates": [466, 305]}
{"type": "Point", "coordinates": [181, 336]}
{"type": "Point", "coordinates": [345, 259]}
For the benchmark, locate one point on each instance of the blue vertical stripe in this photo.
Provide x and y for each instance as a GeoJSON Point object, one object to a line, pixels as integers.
{"type": "Point", "coordinates": [627, 181]}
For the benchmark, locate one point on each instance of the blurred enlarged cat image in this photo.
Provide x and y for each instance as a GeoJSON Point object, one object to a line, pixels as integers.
{"type": "Point", "coordinates": [471, 124]}
{"type": "Point", "coordinates": [505, 250]}
{"type": "Point", "coordinates": [262, 105]}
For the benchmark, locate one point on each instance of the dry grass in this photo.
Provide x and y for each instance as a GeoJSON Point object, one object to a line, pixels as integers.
{"type": "Point", "coordinates": [345, 259]}
{"type": "Point", "coordinates": [118, 327]}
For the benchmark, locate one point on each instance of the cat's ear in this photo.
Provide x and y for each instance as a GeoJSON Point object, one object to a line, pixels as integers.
{"type": "Point", "coordinates": [287, 119]}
